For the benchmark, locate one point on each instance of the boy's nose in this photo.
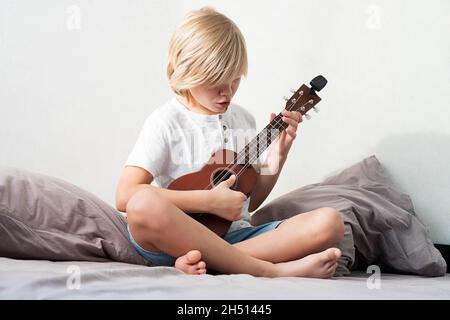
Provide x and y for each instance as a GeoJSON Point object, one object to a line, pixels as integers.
{"type": "Point", "coordinates": [225, 90]}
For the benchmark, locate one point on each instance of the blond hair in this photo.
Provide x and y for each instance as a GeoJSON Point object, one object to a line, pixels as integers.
{"type": "Point", "coordinates": [206, 49]}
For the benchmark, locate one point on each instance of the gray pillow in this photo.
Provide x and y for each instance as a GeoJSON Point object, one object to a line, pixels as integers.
{"type": "Point", "coordinates": [380, 224]}
{"type": "Point", "coordinates": [42, 217]}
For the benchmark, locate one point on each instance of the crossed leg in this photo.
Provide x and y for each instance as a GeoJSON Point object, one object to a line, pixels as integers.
{"type": "Point", "coordinates": [297, 237]}
{"type": "Point", "coordinates": [158, 225]}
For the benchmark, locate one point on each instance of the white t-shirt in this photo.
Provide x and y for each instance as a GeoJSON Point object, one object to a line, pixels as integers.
{"type": "Point", "coordinates": [175, 141]}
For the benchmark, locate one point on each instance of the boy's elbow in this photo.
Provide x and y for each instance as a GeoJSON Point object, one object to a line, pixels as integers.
{"type": "Point", "coordinates": [121, 205]}
{"type": "Point", "coordinates": [121, 201]}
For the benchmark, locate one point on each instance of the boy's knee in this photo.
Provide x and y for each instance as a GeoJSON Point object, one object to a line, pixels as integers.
{"type": "Point", "coordinates": [333, 224]}
{"type": "Point", "coordinates": [146, 209]}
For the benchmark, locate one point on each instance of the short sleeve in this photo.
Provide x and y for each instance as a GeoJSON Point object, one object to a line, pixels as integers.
{"type": "Point", "coordinates": [150, 151]}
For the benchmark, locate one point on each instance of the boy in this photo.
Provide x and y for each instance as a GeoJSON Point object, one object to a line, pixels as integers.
{"type": "Point", "coordinates": [207, 58]}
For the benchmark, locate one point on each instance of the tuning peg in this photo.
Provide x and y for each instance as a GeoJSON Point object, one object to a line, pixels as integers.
{"type": "Point", "coordinates": [307, 116]}
{"type": "Point", "coordinates": [286, 98]}
{"type": "Point", "coordinates": [292, 90]}
{"type": "Point", "coordinates": [316, 109]}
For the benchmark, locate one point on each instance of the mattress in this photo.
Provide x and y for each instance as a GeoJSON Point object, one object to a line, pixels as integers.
{"type": "Point", "coordinates": [40, 279]}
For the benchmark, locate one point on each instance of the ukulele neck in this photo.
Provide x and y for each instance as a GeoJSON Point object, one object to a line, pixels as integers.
{"type": "Point", "coordinates": [253, 150]}
{"type": "Point", "coordinates": [303, 100]}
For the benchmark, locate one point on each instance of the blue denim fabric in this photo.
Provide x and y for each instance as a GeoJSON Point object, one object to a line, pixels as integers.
{"type": "Point", "coordinates": [163, 259]}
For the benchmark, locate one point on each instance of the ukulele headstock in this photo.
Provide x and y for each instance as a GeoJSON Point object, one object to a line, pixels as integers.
{"type": "Point", "coordinates": [305, 98]}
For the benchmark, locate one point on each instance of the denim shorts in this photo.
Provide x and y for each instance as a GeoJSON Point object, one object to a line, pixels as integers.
{"type": "Point", "coordinates": [163, 259]}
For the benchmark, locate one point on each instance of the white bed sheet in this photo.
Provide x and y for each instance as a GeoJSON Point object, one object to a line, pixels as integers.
{"type": "Point", "coordinates": [33, 279]}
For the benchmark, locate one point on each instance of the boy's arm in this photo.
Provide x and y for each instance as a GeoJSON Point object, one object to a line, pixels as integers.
{"type": "Point", "coordinates": [276, 158]}
{"type": "Point", "coordinates": [264, 185]}
{"type": "Point", "coordinates": [134, 179]}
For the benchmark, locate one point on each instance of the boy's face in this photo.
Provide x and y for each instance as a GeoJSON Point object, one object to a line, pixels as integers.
{"type": "Point", "coordinates": [213, 100]}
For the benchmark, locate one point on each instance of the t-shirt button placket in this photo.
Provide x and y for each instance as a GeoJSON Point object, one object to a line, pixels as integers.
{"type": "Point", "coordinates": [224, 127]}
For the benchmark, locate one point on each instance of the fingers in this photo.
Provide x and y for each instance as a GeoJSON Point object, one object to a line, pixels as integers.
{"type": "Point", "coordinates": [272, 116]}
{"type": "Point", "coordinates": [291, 133]}
{"type": "Point", "coordinates": [294, 115]}
{"type": "Point", "coordinates": [242, 196]}
{"type": "Point", "coordinates": [230, 181]}
{"type": "Point", "coordinates": [293, 123]}
{"type": "Point", "coordinates": [292, 119]}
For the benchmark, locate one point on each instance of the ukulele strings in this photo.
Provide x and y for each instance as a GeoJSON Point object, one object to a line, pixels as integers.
{"type": "Point", "coordinates": [265, 131]}
{"type": "Point", "coordinates": [250, 146]}
{"type": "Point", "coordinates": [255, 143]}
{"type": "Point", "coordinates": [265, 137]}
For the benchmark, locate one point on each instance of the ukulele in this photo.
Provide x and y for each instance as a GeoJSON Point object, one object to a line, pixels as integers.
{"type": "Point", "coordinates": [224, 163]}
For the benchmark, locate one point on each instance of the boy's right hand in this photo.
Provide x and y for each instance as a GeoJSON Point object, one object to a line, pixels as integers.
{"type": "Point", "coordinates": [225, 202]}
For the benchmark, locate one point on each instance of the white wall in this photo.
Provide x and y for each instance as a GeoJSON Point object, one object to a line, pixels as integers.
{"type": "Point", "coordinates": [72, 100]}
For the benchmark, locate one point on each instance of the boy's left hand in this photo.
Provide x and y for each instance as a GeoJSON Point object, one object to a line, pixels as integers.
{"type": "Point", "coordinates": [287, 137]}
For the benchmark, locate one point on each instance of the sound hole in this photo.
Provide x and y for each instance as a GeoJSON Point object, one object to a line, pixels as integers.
{"type": "Point", "coordinates": [220, 176]}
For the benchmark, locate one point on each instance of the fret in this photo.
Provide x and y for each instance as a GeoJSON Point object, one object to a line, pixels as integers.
{"type": "Point", "coordinates": [253, 150]}
{"type": "Point", "coordinates": [247, 154]}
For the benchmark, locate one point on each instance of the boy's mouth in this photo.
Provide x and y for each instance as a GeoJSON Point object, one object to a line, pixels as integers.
{"type": "Point", "coordinates": [223, 105]}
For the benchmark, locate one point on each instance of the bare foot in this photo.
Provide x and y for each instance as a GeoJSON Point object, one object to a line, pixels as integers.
{"type": "Point", "coordinates": [318, 265]}
{"type": "Point", "coordinates": [190, 263]}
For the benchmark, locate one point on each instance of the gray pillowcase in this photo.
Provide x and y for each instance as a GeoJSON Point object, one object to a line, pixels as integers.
{"type": "Point", "coordinates": [43, 217]}
{"type": "Point", "coordinates": [381, 227]}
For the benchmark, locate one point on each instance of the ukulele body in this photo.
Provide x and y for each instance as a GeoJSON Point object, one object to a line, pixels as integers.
{"type": "Point", "coordinates": [220, 167]}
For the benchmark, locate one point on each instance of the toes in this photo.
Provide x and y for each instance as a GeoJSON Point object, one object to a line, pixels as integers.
{"type": "Point", "coordinates": [181, 263]}
{"type": "Point", "coordinates": [201, 267]}
{"type": "Point", "coordinates": [190, 263]}
{"type": "Point", "coordinates": [331, 270]}
{"type": "Point", "coordinates": [196, 270]}
{"type": "Point", "coordinates": [328, 256]}
{"type": "Point", "coordinates": [193, 256]}
{"type": "Point", "coordinates": [333, 266]}
{"type": "Point", "coordinates": [192, 270]}
{"type": "Point", "coordinates": [332, 255]}
{"type": "Point", "coordinates": [337, 253]}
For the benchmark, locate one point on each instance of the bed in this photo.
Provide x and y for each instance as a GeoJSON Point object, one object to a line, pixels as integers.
{"type": "Point", "coordinates": [58, 241]}
{"type": "Point", "coordinates": [37, 279]}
